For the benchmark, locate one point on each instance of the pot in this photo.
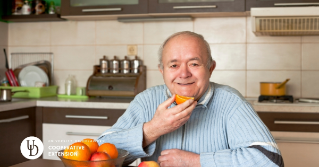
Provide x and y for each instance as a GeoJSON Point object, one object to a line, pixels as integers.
{"type": "Point", "coordinates": [273, 88]}
{"type": "Point", "coordinates": [6, 94]}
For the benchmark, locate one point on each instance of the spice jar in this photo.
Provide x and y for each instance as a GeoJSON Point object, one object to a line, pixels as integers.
{"type": "Point", "coordinates": [114, 65]}
{"type": "Point", "coordinates": [104, 65]}
{"type": "Point", "coordinates": [125, 65]}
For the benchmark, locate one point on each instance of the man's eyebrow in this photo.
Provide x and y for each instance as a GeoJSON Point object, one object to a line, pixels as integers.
{"type": "Point", "coordinates": [195, 58]}
{"type": "Point", "coordinates": [173, 61]}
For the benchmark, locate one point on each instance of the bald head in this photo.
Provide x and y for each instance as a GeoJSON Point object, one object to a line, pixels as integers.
{"type": "Point", "coordinates": [198, 37]}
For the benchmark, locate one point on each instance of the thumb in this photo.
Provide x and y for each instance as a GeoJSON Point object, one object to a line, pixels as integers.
{"type": "Point", "coordinates": [169, 101]}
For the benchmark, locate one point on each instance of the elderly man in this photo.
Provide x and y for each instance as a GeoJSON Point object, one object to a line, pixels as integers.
{"type": "Point", "coordinates": [218, 128]}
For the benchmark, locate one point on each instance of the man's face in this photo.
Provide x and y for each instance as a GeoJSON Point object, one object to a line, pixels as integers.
{"type": "Point", "coordinates": [184, 66]}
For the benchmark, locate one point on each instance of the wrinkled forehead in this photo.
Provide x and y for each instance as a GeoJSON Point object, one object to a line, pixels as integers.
{"type": "Point", "coordinates": [183, 45]}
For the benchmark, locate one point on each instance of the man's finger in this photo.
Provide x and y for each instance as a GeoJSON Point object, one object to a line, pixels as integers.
{"type": "Point", "coordinates": [168, 102]}
{"type": "Point", "coordinates": [181, 107]}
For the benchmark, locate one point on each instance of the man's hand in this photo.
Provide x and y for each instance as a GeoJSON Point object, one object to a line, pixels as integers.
{"type": "Point", "coordinates": [167, 120]}
{"type": "Point", "coordinates": [178, 158]}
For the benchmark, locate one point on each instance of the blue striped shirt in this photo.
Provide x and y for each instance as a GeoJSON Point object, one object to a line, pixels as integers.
{"type": "Point", "coordinates": [223, 129]}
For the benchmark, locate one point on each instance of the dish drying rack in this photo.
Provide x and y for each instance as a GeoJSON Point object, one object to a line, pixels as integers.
{"type": "Point", "coordinates": [21, 58]}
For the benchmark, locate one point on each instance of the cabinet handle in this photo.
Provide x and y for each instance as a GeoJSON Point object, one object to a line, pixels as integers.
{"type": "Point", "coordinates": [102, 10]}
{"type": "Point", "coordinates": [297, 122]}
{"type": "Point", "coordinates": [82, 134]}
{"type": "Point", "coordinates": [295, 4]}
{"type": "Point", "coordinates": [291, 140]}
{"type": "Point", "coordinates": [14, 119]}
{"type": "Point", "coordinates": [86, 117]}
{"type": "Point", "coordinates": [194, 7]}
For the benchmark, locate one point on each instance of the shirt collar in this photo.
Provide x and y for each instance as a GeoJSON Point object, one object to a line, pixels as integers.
{"type": "Point", "coordinates": [203, 101]}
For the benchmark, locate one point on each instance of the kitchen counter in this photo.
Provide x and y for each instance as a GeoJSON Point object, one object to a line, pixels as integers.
{"type": "Point", "coordinates": [124, 103]}
{"type": "Point", "coordinates": [66, 103]}
{"type": "Point", "coordinates": [40, 163]}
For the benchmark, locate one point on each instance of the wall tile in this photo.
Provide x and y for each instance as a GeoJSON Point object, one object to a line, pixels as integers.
{"type": "Point", "coordinates": [74, 57]}
{"type": "Point", "coordinates": [222, 29]}
{"type": "Point", "coordinates": [29, 34]}
{"type": "Point", "coordinates": [4, 33]}
{"type": "Point", "coordinates": [158, 32]}
{"type": "Point", "coordinates": [310, 56]}
{"type": "Point", "coordinates": [73, 33]}
{"type": "Point", "coordinates": [28, 49]}
{"type": "Point", "coordinates": [310, 39]}
{"type": "Point", "coordinates": [151, 56]}
{"type": "Point", "coordinates": [120, 51]}
{"type": "Point", "coordinates": [154, 78]}
{"type": "Point", "coordinates": [255, 77]}
{"type": "Point", "coordinates": [252, 38]}
{"type": "Point", "coordinates": [235, 79]}
{"type": "Point", "coordinates": [310, 82]}
{"type": "Point", "coordinates": [274, 56]}
{"type": "Point", "coordinates": [114, 32]}
{"type": "Point", "coordinates": [229, 56]}
{"type": "Point", "coordinates": [81, 77]}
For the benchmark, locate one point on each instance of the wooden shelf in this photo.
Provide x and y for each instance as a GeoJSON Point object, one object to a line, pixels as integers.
{"type": "Point", "coordinates": [32, 18]}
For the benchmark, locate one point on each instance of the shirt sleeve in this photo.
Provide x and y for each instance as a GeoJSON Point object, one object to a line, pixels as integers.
{"type": "Point", "coordinates": [127, 134]}
{"type": "Point", "coordinates": [250, 143]}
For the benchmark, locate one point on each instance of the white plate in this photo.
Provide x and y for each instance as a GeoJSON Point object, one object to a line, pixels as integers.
{"type": "Point", "coordinates": [31, 74]}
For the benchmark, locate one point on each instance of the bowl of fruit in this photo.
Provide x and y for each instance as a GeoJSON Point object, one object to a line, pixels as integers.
{"type": "Point", "coordinates": [88, 153]}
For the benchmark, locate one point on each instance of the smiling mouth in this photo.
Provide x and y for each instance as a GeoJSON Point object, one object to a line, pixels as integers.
{"type": "Point", "coordinates": [184, 84]}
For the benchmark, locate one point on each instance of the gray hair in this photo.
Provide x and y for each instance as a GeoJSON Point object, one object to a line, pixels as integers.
{"type": "Point", "coordinates": [160, 51]}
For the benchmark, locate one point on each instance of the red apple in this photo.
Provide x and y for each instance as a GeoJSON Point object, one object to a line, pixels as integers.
{"type": "Point", "coordinates": [148, 164]}
{"type": "Point", "coordinates": [98, 156]}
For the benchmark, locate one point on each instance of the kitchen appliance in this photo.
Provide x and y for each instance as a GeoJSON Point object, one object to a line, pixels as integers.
{"type": "Point", "coordinates": [285, 21]}
{"type": "Point", "coordinates": [114, 65]}
{"type": "Point", "coordinates": [104, 64]}
{"type": "Point", "coordinates": [6, 94]}
{"type": "Point", "coordinates": [276, 99]}
{"type": "Point", "coordinates": [273, 88]}
{"type": "Point", "coordinates": [116, 85]}
{"type": "Point", "coordinates": [125, 65]}
{"type": "Point", "coordinates": [9, 73]}
{"type": "Point", "coordinates": [135, 63]}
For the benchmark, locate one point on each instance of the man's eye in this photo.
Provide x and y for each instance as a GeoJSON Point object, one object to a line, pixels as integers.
{"type": "Point", "coordinates": [174, 66]}
{"type": "Point", "coordinates": [194, 64]}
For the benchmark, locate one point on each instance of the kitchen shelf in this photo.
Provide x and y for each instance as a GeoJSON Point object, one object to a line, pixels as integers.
{"type": "Point", "coordinates": [32, 18]}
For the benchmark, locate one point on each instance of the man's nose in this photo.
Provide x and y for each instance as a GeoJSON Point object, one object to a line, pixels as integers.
{"type": "Point", "coordinates": [184, 72]}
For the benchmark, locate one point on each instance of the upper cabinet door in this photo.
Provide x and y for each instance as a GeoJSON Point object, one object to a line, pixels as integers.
{"type": "Point", "coordinates": [279, 3]}
{"type": "Point", "coordinates": [193, 6]}
{"type": "Point", "coordinates": [103, 7]}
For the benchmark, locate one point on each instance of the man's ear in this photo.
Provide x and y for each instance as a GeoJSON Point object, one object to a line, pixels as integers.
{"type": "Point", "coordinates": [212, 67]}
{"type": "Point", "coordinates": [160, 69]}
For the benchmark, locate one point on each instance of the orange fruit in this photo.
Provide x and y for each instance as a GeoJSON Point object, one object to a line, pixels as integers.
{"type": "Point", "coordinates": [91, 143]}
{"type": "Point", "coordinates": [79, 151]}
{"type": "Point", "coordinates": [181, 99]}
{"type": "Point", "coordinates": [109, 149]}
{"type": "Point", "coordinates": [66, 153]}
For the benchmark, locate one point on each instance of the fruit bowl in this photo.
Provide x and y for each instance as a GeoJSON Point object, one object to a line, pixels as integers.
{"type": "Point", "coordinates": [103, 163]}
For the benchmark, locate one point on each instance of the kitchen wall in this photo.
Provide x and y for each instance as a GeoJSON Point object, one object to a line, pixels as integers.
{"type": "Point", "coordinates": [243, 60]}
{"type": "Point", "coordinates": [3, 44]}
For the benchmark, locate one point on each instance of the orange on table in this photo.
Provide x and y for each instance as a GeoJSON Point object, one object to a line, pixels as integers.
{"type": "Point", "coordinates": [91, 143]}
{"type": "Point", "coordinates": [181, 99]}
{"type": "Point", "coordinates": [109, 149]}
{"type": "Point", "coordinates": [79, 151]}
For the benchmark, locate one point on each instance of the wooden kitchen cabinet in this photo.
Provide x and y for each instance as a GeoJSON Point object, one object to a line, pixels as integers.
{"type": "Point", "coordinates": [199, 6]}
{"type": "Point", "coordinates": [279, 3]}
{"type": "Point", "coordinates": [15, 126]}
{"type": "Point", "coordinates": [106, 7]}
{"type": "Point", "coordinates": [296, 135]}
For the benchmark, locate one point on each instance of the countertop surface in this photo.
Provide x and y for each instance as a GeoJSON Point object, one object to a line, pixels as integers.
{"type": "Point", "coordinates": [124, 103]}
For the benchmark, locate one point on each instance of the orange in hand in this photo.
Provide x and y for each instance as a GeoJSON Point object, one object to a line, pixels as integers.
{"type": "Point", "coordinates": [181, 99]}
{"type": "Point", "coordinates": [78, 151]}
{"type": "Point", "coordinates": [110, 149]}
{"type": "Point", "coordinates": [91, 143]}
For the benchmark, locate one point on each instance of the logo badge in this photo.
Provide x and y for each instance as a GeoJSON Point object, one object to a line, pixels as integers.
{"type": "Point", "coordinates": [31, 147]}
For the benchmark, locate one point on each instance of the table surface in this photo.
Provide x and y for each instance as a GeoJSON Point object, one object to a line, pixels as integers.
{"type": "Point", "coordinates": [40, 163]}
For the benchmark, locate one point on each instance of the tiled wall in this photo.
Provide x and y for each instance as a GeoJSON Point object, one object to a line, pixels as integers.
{"type": "Point", "coordinates": [3, 45]}
{"type": "Point", "coordinates": [243, 60]}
